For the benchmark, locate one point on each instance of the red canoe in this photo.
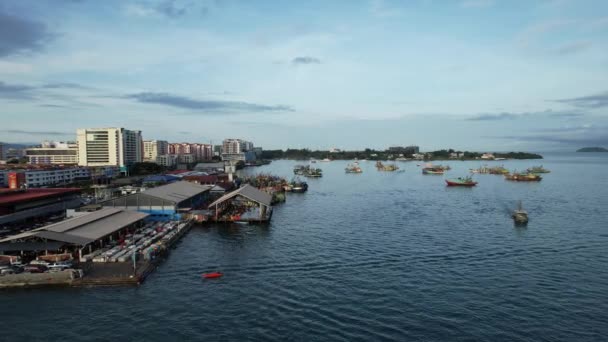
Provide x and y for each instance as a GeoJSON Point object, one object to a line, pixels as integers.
{"type": "Point", "coordinates": [212, 275]}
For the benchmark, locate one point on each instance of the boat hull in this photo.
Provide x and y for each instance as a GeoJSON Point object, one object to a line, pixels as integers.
{"type": "Point", "coordinates": [464, 184]}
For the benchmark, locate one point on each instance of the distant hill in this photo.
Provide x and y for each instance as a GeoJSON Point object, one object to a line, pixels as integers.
{"type": "Point", "coordinates": [592, 149]}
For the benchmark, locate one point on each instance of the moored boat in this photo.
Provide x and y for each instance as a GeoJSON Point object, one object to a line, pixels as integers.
{"type": "Point", "coordinates": [538, 169]}
{"type": "Point", "coordinates": [432, 171]}
{"type": "Point", "coordinates": [523, 177]}
{"type": "Point", "coordinates": [461, 181]}
{"type": "Point", "coordinates": [389, 167]}
{"type": "Point", "coordinates": [353, 168]}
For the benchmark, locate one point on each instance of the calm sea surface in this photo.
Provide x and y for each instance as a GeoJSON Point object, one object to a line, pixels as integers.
{"type": "Point", "coordinates": [368, 257]}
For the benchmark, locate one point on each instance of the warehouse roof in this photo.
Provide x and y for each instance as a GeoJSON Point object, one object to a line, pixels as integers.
{"type": "Point", "coordinates": [21, 195]}
{"type": "Point", "coordinates": [177, 192]}
{"type": "Point", "coordinates": [247, 191]}
{"type": "Point", "coordinates": [84, 229]}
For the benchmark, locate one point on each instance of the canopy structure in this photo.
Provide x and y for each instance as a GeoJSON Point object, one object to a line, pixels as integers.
{"type": "Point", "coordinates": [250, 193]}
{"type": "Point", "coordinates": [81, 230]}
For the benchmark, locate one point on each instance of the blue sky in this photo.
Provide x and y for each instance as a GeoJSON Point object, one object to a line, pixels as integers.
{"type": "Point", "coordinates": [469, 74]}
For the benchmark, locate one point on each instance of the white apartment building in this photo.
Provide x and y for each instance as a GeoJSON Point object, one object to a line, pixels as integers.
{"type": "Point", "coordinates": [167, 160]}
{"type": "Point", "coordinates": [53, 152]}
{"type": "Point", "coordinates": [236, 146]}
{"type": "Point", "coordinates": [155, 148]}
{"type": "Point", "coordinates": [109, 147]}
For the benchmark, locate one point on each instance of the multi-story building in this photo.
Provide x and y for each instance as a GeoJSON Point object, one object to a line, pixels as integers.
{"type": "Point", "coordinates": [237, 150]}
{"type": "Point", "coordinates": [167, 160]}
{"type": "Point", "coordinates": [52, 175]}
{"type": "Point", "coordinates": [53, 153]}
{"type": "Point", "coordinates": [109, 146]}
{"type": "Point", "coordinates": [155, 148]}
{"type": "Point", "coordinates": [200, 152]}
{"type": "Point", "coordinates": [1, 151]}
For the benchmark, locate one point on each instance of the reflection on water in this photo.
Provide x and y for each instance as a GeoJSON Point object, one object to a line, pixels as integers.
{"type": "Point", "coordinates": [380, 256]}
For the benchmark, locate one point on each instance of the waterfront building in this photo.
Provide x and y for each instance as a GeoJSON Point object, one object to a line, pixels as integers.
{"type": "Point", "coordinates": [53, 152]}
{"type": "Point", "coordinates": [109, 146]}
{"type": "Point", "coordinates": [155, 148]}
{"type": "Point", "coordinates": [18, 205]}
{"type": "Point", "coordinates": [90, 230]}
{"type": "Point", "coordinates": [165, 202]}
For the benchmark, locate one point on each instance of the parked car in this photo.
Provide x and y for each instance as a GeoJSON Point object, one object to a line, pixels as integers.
{"type": "Point", "coordinates": [34, 269]}
{"type": "Point", "coordinates": [5, 271]}
{"type": "Point", "coordinates": [40, 262]}
{"type": "Point", "coordinates": [58, 267]}
{"type": "Point", "coordinates": [17, 269]}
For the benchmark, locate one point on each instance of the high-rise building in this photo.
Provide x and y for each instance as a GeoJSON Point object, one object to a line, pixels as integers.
{"type": "Point", "coordinates": [1, 151]}
{"type": "Point", "coordinates": [53, 152]}
{"type": "Point", "coordinates": [109, 146]}
{"type": "Point", "coordinates": [199, 152]}
{"type": "Point", "coordinates": [236, 149]}
{"type": "Point", "coordinates": [155, 148]}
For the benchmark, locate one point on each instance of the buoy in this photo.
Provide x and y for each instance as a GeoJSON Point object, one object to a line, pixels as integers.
{"type": "Point", "coordinates": [212, 275]}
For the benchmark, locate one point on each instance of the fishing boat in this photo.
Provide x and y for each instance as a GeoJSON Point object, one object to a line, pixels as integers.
{"type": "Point", "coordinates": [298, 186]}
{"type": "Point", "coordinates": [523, 177]}
{"type": "Point", "coordinates": [313, 172]}
{"type": "Point", "coordinates": [353, 168]}
{"type": "Point", "coordinates": [432, 171]}
{"type": "Point", "coordinates": [299, 169]}
{"type": "Point", "coordinates": [212, 275]}
{"type": "Point", "coordinates": [461, 181]}
{"type": "Point", "coordinates": [538, 169]}
{"type": "Point", "coordinates": [520, 216]}
{"type": "Point", "coordinates": [388, 167]}
{"type": "Point", "coordinates": [443, 167]}
{"type": "Point", "coordinates": [326, 160]}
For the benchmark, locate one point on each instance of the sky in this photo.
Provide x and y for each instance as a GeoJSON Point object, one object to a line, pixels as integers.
{"type": "Point", "coordinates": [464, 74]}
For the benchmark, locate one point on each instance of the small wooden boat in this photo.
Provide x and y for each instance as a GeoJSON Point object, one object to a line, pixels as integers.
{"type": "Point", "coordinates": [460, 181]}
{"type": "Point", "coordinates": [523, 177]}
{"type": "Point", "coordinates": [212, 275]}
{"type": "Point", "coordinates": [538, 169]}
{"type": "Point", "coordinates": [432, 171]}
{"type": "Point", "coordinates": [520, 216]}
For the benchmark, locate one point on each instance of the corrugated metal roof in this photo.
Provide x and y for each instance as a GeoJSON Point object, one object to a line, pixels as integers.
{"type": "Point", "coordinates": [177, 192]}
{"type": "Point", "coordinates": [63, 237]}
{"type": "Point", "coordinates": [75, 222]}
{"type": "Point", "coordinates": [84, 229]}
{"type": "Point", "coordinates": [247, 191]}
{"type": "Point", "coordinates": [98, 229]}
{"type": "Point", "coordinates": [16, 196]}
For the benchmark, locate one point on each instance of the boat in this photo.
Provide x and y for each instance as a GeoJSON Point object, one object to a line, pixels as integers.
{"type": "Point", "coordinates": [523, 177]}
{"type": "Point", "coordinates": [313, 172]}
{"type": "Point", "coordinates": [298, 186]}
{"type": "Point", "coordinates": [443, 167]}
{"type": "Point", "coordinates": [299, 169]}
{"type": "Point", "coordinates": [432, 171]}
{"type": "Point", "coordinates": [353, 168]}
{"type": "Point", "coordinates": [389, 167]}
{"type": "Point", "coordinates": [212, 275]}
{"type": "Point", "coordinates": [538, 169]}
{"type": "Point", "coordinates": [461, 181]}
{"type": "Point", "coordinates": [326, 160]}
{"type": "Point", "coordinates": [520, 216]}
{"type": "Point", "coordinates": [495, 170]}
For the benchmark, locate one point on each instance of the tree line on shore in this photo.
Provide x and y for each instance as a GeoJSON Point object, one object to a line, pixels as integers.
{"type": "Point", "coordinates": [371, 154]}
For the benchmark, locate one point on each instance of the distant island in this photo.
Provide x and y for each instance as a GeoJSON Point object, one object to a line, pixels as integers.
{"type": "Point", "coordinates": [592, 149]}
